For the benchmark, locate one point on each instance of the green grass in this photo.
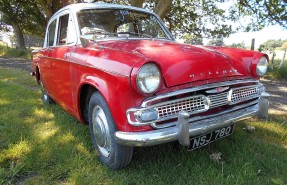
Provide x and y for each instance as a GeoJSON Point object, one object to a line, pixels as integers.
{"type": "Point", "coordinates": [274, 73]}
{"type": "Point", "coordinates": [13, 52]}
{"type": "Point", "coordinates": [42, 144]}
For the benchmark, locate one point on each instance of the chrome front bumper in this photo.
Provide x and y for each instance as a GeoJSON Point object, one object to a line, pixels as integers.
{"type": "Point", "coordinates": [257, 108]}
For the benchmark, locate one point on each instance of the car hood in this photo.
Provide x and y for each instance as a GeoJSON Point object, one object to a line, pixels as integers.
{"type": "Point", "coordinates": [181, 63]}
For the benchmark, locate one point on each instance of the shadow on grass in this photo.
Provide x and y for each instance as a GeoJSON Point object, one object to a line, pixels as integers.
{"type": "Point", "coordinates": [42, 144]}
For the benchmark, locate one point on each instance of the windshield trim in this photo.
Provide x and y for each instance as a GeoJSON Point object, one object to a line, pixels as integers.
{"type": "Point", "coordinates": [158, 20]}
{"type": "Point", "coordinates": [128, 38]}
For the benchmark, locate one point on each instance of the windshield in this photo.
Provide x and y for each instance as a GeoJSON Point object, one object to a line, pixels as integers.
{"type": "Point", "coordinates": [119, 23]}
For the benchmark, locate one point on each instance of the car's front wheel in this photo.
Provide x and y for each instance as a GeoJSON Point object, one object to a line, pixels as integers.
{"type": "Point", "coordinates": [102, 130]}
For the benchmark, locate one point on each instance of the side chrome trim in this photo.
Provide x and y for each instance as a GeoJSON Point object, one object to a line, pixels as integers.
{"type": "Point", "coordinates": [169, 134]}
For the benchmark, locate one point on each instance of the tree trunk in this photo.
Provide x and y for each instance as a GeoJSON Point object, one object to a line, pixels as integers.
{"type": "Point", "coordinates": [137, 3]}
{"type": "Point", "coordinates": [67, 2]}
{"type": "Point", "coordinates": [20, 42]}
{"type": "Point", "coordinates": [162, 7]}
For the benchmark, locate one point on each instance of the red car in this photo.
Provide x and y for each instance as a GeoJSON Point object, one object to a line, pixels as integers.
{"type": "Point", "coordinates": [119, 69]}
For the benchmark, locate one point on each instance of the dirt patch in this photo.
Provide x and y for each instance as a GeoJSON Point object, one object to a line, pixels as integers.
{"type": "Point", "coordinates": [17, 63]}
{"type": "Point", "coordinates": [278, 92]}
{"type": "Point", "coordinates": [277, 89]}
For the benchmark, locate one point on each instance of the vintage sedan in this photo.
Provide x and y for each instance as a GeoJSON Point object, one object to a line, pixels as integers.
{"type": "Point", "coordinates": [119, 69]}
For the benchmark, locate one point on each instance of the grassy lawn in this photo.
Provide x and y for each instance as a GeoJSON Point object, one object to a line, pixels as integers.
{"type": "Point", "coordinates": [42, 144]}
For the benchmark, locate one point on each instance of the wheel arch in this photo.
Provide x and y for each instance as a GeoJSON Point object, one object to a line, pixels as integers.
{"type": "Point", "coordinates": [37, 75]}
{"type": "Point", "coordinates": [85, 92]}
{"type": "Point", "coordinates": [88, 86]}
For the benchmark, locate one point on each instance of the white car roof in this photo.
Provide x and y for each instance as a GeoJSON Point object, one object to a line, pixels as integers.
{"type": "Point", "coordinates": [81, 6]}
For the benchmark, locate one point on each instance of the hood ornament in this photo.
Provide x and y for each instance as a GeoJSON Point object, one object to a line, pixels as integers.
{"type": "Point", "coordinates": [217, 90]}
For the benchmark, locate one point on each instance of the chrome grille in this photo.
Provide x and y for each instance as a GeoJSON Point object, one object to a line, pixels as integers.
{"type": "Point", "coordinates": [245, 93]}
{"type": "Point", "coordinates": [190, 104]}
{"type": "Point", "coordinates": [197, 104]}
{"type": "Point", "coordinates": [218, 100]}
{"type": "Point", "coordinates": [168, 105]}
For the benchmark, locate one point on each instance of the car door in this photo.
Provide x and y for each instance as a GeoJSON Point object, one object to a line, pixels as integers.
{"type": "Point", "coordinates": [45, 60]}
{"type": "Point", "coordinates": [60, 80]}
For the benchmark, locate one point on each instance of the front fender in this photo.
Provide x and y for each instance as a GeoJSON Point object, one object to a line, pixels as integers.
{"type": "Point", "coordinates": [118, 94]}
{"type": "Point", "coordinates": [248, 58]}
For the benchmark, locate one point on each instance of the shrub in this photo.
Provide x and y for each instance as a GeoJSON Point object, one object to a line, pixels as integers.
{"type": "Point", "coordinates": [14, 53]}
{"type": "Point", "coordinates": [274, 73]}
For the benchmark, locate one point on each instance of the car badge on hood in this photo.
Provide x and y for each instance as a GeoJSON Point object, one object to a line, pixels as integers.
{"type": "Point", "coordinates": [217, 90]}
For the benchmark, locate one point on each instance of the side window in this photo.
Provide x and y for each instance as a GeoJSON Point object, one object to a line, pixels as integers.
{"type": "Point", "coordinates": [51, 33]}
{"type": "Point", "coordinates": [63, 29]}
{"type": "Point", "coordinates": [67, 31]}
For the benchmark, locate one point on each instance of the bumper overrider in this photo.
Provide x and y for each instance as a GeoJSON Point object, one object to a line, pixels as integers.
{"type": "Point", "coordinates": [188, 126]}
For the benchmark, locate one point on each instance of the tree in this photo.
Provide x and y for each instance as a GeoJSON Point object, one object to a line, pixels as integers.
{"type": "Point", "coordinates": [200, 18]}
{"type": "Point", "coordinates": [192, 39]}
{"type": "Point", "coordinates": [216, 42]}
{"type": "Point", "coordinates": [284, 46]}
{"type": "Point", "coordinates": [262, 12]}
{"type": "Point", "coordinates": [137, 3]}
{"type": "Point", "coordinates": [23, 16]}
{"type": "Point", "coordinates": [49, 7]}
{"type": "Point", "coordinates": [237, 45]}
{"type": "Point", "coordinates": [162, 7]}
{"type": "Point", "coordinates": [271, 45]}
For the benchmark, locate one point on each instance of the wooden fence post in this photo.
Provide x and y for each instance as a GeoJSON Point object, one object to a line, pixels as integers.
{"type": "Point", "coordinates": [283, 59]}
{"type": "Point", "coordinates": [272, 60]}
{"type": "Point", "coordinates": [253, 44]}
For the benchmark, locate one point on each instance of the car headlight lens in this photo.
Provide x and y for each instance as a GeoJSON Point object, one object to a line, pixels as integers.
{"type": "Point", "coordinates": [261, 67]}
{"type": "Point", "coordinates": [148, 78]}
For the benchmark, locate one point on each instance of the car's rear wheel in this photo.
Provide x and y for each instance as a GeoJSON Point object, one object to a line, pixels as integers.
{"type": "Point", "coordinates": [45, 96]}
{"type": "Point", "coordinates": [102, 130]}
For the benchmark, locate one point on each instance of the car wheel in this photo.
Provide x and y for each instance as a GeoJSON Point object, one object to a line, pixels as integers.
{"type": "Point", "coordinates": [45, 96]}
{"type": "Point", "coordinates": [102, 130]}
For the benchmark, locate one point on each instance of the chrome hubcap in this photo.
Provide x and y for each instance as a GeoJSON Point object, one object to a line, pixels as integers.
{"type": "Point", "coordinates": [101, 131]}
{"type": "Point", "coordinates": [45, 97]}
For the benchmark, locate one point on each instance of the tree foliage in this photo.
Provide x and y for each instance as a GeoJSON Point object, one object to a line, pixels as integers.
{"type": "Point", "coordinates": [23, 16]}
{"type": "Point", "coordinates": [238, 45]}
{"type": "Point", "coordinates": [271, 45]}
{"type": "Point", "coordinates": [192, 39]}
{"type": "Point", "coordinates": [284, 46]}
{"type": "Point", "coordinates": [263, 12]}
{"type": "Point", "coordinates": [216, 42]}
{"type": "Point", "coordinates": [201, 18]}
{"type": "Point", "coordinates": [197, 18]}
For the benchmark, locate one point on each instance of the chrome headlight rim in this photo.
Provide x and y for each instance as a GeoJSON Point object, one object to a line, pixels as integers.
{"type": "Point", "coordinates": [261, 67]}
{"type": "Point", "coordinates": [139, 80]}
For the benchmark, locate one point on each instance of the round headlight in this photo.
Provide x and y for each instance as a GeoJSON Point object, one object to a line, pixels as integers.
{"type": "Point", "coordinates": [148, 78]}
{"type": "Point", "coordinates": [261, 67]}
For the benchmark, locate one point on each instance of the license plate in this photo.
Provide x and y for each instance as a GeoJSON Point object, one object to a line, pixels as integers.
{"type": "Point", "coordinates": [202, 140]}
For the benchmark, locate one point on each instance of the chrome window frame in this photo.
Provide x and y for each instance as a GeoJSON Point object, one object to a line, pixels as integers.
{"type": "Point", "coordinates": [158, 19]}
{"type": "Point", "coordinates": [74, 8]}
